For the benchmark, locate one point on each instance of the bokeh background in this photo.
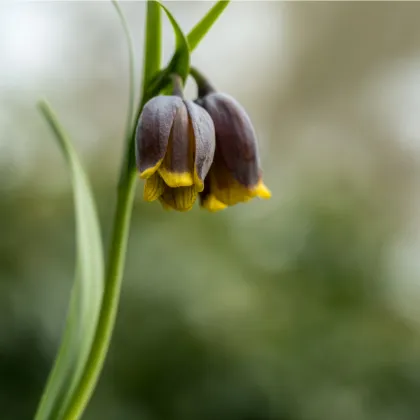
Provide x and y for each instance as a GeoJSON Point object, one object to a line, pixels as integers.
{"type": "Point", "coordinates": [303, 307]}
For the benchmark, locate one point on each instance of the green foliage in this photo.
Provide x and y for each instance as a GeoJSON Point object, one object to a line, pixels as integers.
{"type": "Point", "coordinates": [185, 45]}
{"type": "Point", "coordinates": [153, 42]}
{"type": "Point", "coordinates": [205, 24]}
{"type": "Point", "coordinates": [87, 290]}
{"type": "Point", "coordinates": [296, 310]}
{"type": "Point", "coordinates": [150, 65]}
{"type": "Point", "coordinates": [180, 62]}
{"type": "Point", "coordinates": [91, 318]}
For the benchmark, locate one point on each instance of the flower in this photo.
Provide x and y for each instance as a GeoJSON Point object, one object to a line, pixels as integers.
{"type": "Point", "coordinates": [235, 175]}
{"type": "Point", "coordinates": [175, 142]}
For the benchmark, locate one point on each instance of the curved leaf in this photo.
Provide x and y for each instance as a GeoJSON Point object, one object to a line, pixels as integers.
{"type": "Point", "coordinates": [180, 62]}
{"type": "Point", "coordinates": [131, 66]}
{"type": "Point", "coordinates": [87, 291]}
{"type": "Point", "coordinates": [200, 30]}
{"type": "Point", "coordinates": [152, 62]}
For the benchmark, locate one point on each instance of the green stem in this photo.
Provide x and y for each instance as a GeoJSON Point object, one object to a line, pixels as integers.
{"type": "Point", "coordinates": [125, 198]}
{"type": "Point", "coordinates": [203, 84]}
{"type": "Point", "coordinates": [120, 232]}
{"type": "Point", "coordinates": [152, 42]}
{"type": "Point", "coordinates": [152, 59]}
{"type": "Point", "coordinates": [177, 86]}
{"type": "Point", "coordinates": [107, 316]}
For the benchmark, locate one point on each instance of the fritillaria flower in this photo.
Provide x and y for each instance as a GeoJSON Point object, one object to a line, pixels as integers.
{"type": "Point", "coordinates": [175, 142]}
{"type": "Point", "coordinates": [235, 175]}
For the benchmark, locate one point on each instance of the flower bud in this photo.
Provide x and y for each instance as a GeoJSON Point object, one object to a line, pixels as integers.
{"type": "Point", "coordinates": [235, 175]}
{"type": "Point", "coordinates": [175, 142]}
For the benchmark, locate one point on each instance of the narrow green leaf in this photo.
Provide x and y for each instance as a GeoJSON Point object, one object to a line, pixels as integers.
{"type": "Point", "coordinates": [151, 67]}
{"type": "Point", "coordinates": [87, 291]}
{"type": "Point", "coordinates": [180, 62]}
{"type": "Point", "coordinates": [153, 42]}
{"type": "Point", "coordinates": [180, 58]}
{"type": "Point", "coordinates": [120, 232]}
{"type": "Point", "coordinates": [202, 27]}
{"type": "Point", "coordinates": [152, 26]}
{"type": "Point", "coordinates": [131, 81]}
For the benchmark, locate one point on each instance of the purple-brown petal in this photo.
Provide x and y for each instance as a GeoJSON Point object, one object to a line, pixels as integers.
{"type": "Point", "coordinates": [205, 139]}
{"type": "Point", "coordinates": [235, 137]}
{"type": "Point", "coordinates": [179, 154]}
{"type": "Point", "coordinates": [153, 130]}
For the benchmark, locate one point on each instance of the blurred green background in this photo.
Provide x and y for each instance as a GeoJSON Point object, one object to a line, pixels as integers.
{"type": "Point", "coordinates": [304, 307]}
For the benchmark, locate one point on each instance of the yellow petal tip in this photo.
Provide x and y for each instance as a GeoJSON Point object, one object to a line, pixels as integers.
{"type": "Point", "coordinates": [153, 188]}
{"type": "Point", "coordinates": [180, 199]}
{"type": "Point", "coordinates": [199, 184]}
{"type": "Point", "coordinates": [175, 179]}
{"type": "Point", "coordinates": [147, 173]}
{"type": "Point", "coordinates": [149, 195]}
{"type": "Point", "coordinates": [262, 191]}
{"type": "Point", "coordinates": [211, 203]}
{"type": "Point", "coordinates": [164, 205]}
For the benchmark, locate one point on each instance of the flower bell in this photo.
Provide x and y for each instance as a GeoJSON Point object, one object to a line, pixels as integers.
{"type": "Point", "coordinates": [175, 142]}
{"type": "Point", "coordinates": [235, 175]}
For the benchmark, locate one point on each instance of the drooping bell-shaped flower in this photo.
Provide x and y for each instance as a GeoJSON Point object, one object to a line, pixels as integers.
{"type": "Point", "coordinates": [175, 142]}
{"type": "Point", "coordinates": [235, 175]}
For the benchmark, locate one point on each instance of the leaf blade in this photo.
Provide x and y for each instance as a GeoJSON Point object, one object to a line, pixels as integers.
{"type": "Point", "coordinates": [87, 290]}
{"type": "Point", "coordinates": [180, 62]}
{"type": "Point", "coordinates": [131, 66]}
{"type": "Point", "coordinates": [204, 25]}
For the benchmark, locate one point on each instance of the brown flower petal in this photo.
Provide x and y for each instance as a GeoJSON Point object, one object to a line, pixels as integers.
{"type": "Point", "coordinates": [235, 137]}
{"type": "Point", "coordinates": [203, 132]}
{"type": "Point", "coordinates": [153, 131]}
{"type": "Point", "coordinates": [177, 168]}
